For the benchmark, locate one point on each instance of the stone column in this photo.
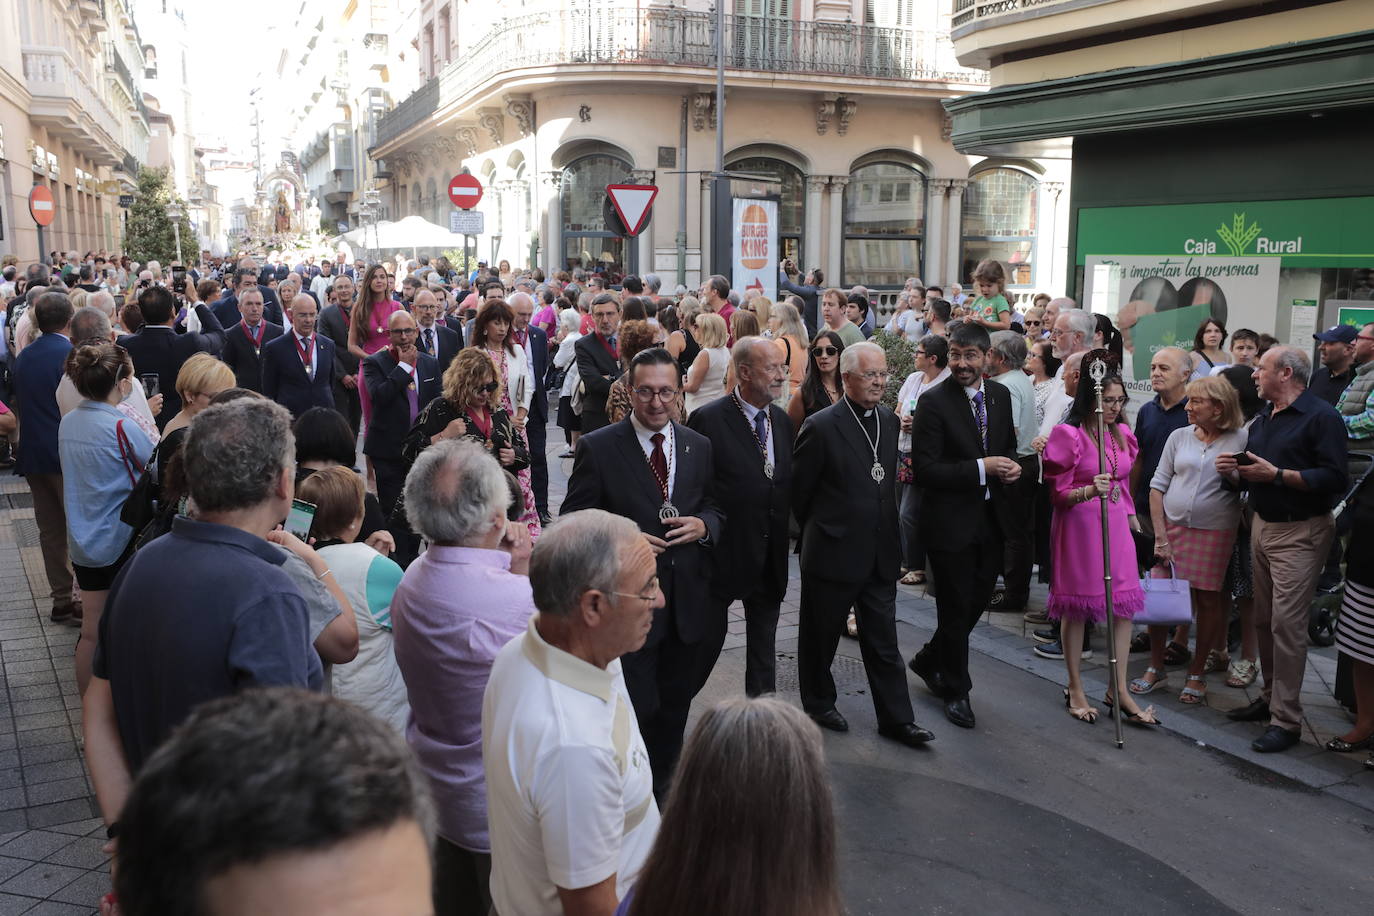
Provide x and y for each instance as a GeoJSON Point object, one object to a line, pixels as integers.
{"type": "Point", "coordinates": [935, 231]}
{"type": "Point", "coordinates": [1046, 272]}
{"type": "Point", "coordinates": [552, 241]}
{"type": "Point", "coordinates": [644, 242]}
{"type": "Point", "coordinates": [520, 242]}
{"type": "Point", "coordinates": [811, 253]}
{"type": "Point", "coordinates": [707, 267]}
{"type": "Point", "coordinates": [833, 254]}
{"type": "Point", "coordinates": [954, 244]}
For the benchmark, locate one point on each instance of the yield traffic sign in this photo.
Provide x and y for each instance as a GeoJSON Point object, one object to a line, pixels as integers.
{"type": "Point", "coordinates": [632, 203]}
{"type": "Point", "coordinates": [465, 191]}
{"type": "Point", "coordinates": [41, 205]}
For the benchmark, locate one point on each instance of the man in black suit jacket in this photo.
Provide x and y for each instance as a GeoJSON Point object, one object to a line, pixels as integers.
{"type": "Point", "coordinates": [298, 367]}
{"type": "Point", "coordinates": [536, 344]}
{"type": "Point", "coordinates": [598, 361]}
{"type": "Point", "coordinates": [431, 335]}
{"type": "Point", "coordinates": [227, 309]}
{"type": "Point", "coordinates": [243, 342]}
{"type": "Point", "coordinates": [400, 381]}
{"type": "Point", "coordinates": [625, 469]}
{"type": "Point", "coordinates": [963, 456]}
{"type": "Point", "coordinates": [156, 348]}
{"type": "Point", "coordinates": [751, 444]}
{"type": "Point", "coordinates": [844, 496]}
{"type": "Point", "coordinates": [333, 324]}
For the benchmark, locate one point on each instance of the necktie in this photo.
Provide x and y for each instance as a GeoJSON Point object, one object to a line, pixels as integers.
{"type": "Point", "coordinates": [659, 462]}
{"type": "Point", "coordinates": [761, 429]}
{"type": "Point", "coordinates": [413, 396]}
{"type": "Point", "coordinates": [307, 348]}
{"type": "Point", "coordinates": [982, 418]}
{"type": "Point", "coordinates": [519, 337]}
{"type": "Point", "coordinates": [429, 341]}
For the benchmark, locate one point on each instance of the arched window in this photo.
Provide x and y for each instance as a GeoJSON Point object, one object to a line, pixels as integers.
{"type": "Point", "coordinates": [790, 236]}
{"type": "Point", "coordinates": [884, 224]}
{"type": "Point", "coordinates": [586, 243]}
{"type": "Point", "coordinates": [1000, 211]}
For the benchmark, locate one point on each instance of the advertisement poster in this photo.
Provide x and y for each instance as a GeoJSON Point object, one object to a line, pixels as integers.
{"type": "Point", "coordinates": [1356, 317]}
{"type": "Point", "coordinates": [754, 248]}
{"type": "Point", "coordinates": [1160, 301]}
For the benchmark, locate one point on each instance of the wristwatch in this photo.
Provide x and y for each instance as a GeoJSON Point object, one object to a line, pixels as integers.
{"type": "Point", "coordinates": [1278, 476]}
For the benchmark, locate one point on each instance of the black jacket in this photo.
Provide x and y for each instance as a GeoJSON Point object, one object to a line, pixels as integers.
{"type": "Point", "coordinates": [447, 342]}
{"type": "Point", "coordinates": [162, 351]}
{"type": "Point", "coordinates": [285, 380]}
{"type": "Point", "coordinates": [594, 365]}
{"type": "Point", "coordinates": [386, 386]}
{"type": "Point", "coordinates": [245, 359]}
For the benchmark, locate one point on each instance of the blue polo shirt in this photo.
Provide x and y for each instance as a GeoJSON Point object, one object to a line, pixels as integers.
{"type": "Point", "coordinates": [1153, 425]}
{"type": "Point", "coordinates": [1306, 436]}
{"type": "Point", "coordinates": [200, 613]}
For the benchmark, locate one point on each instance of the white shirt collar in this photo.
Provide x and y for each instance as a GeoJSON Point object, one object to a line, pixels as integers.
{"type": "Point", "coordinates": [302, 338]}
{"type": "Point", "coordinates": [749, 409]}
{"type": "Point", "coordinates": [645, 434]}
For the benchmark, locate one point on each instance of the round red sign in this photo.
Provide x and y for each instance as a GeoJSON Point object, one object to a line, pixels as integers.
{"type": "Point", "coordinates": [41, 205]}
{"type": "Point", "coordinates": [465, 191]}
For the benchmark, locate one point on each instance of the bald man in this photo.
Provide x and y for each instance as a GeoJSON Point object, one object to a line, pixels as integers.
{"type": "Point", "coordinates": [400, 381]}
{"type": "Point", "coordinates": [432, 335]}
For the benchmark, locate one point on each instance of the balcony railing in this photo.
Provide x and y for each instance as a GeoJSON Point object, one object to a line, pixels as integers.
{"type": "Point", "coordinates": [676, 37]}
{"type": "Point", "coordinates": [64, 98]}
{"type": "Point", "coordinates": [967, 11]}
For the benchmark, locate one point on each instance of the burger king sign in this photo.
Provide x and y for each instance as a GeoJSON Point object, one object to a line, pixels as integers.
{"type": "Point", "coordinates": [755, 248]}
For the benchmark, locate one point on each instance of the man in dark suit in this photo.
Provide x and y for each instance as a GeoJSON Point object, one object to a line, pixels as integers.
{"type": "Point", "coordinates": [751, 445]}
{"type": "Point", "coordinates": [37, 373]}
{"type": "Point", "coordinates": [843, 492]}
{"type": "Point", "coordinates": [227, 309]}
{"type": "Point", "coordinates": [298, 367]}
{"type": "Point", "coordinates": [244, 341]}
{"type": "Point", "coordinates": [659, 474]}
{"type": "Point", "coordinates": [400, 381]}
{"type": "Point", "coordinates": [536, 344]}
{"type": "Point", "coordinates": [963, 457]}
{"type": "Point", "coordinates": [333, 324]}
{"type": "Point", "coordinates": [157, 349]}
{"type": "Point", "coordinates": [598, 361]}
{"type": "Point", "coordinates": [431, 335]}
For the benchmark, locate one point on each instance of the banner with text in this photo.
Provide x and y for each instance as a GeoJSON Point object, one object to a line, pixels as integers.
{"type": "Point", "coordinates": [755, 247]}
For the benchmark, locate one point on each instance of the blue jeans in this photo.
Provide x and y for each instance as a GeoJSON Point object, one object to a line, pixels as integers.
{"type": "Point", "coordinates": [908, 509]}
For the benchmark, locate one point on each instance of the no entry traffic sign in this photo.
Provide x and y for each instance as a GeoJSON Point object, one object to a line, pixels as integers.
{"type": "Point", "coordinates": [465, 191]}
{"type": "Point", "coordinates": [41, 205]}
{"type": "Point", "coordinates": [632, 203]}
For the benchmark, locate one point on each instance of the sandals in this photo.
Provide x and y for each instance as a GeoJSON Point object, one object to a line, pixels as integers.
{"type": "Point", "coordinates": [1242, 673]}
{"type": "Point", "coordinates": [1216, 661]}
{"type": "Point", "coordinates": [1081, 713]}
{"type": "Point", "coordinates": [1192, 696]}
{"type": "Point", "coordinates": [851, 626]}
{"type": "Point", "coordinates": [1176, 653]}
{"type": "Point", "coordinates": [1142, 685]}
{"type": "Point", "coordinates": [1144, 718]}
{"type": "Point", "coordinates": [915, 577]}
{"type": "Point", "coordinates": [1341, 746]}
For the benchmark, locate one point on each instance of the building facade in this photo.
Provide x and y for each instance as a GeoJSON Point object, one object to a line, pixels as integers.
{"type": "Point", "coordinates": [1219, 164]}
{"type": "Point", "coordinates": [72, 118]}
{"type": "Point", "coordinates": [836, 102]}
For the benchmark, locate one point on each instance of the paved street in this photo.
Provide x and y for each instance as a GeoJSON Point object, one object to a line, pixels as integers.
{"type": "Point", "coordinates": [1032, 812]}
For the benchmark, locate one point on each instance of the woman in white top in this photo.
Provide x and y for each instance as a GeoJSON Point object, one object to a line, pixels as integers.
{"type": "Point", "coordinates": [1196, 512]}
{"type": "Point", "coordinates": [706, 379]}
{"type": "Point", "coordinates": [569, 320]}
{"type": "Point", "coordinates": [932, 368]}
{"type": "Point", "coordinates": [368, 579]}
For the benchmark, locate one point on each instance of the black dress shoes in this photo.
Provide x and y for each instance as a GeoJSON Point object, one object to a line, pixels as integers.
{"type": "Point", "coordinates": [1276, 739]}
{"type": "Point", "coordinates": [1257, 711]}
{"type": "Point", "coordinates": [935, 681]}
{"type": "Point", "coordinates": [830, 719]}
{"type": "Point", "coordinates": [908, 733]}
{"type": "Point", "coordinates": [960, 713]}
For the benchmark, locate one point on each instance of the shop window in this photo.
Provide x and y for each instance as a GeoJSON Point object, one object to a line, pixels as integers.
{"type": "Point", "coordinates": [884, 224]}
{"type": "Point", "coordinates": [1001, 207]}
{"type": "Point", "coordinates": [586, 243]}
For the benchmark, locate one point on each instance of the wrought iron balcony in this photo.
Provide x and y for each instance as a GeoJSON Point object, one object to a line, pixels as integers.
{"type": "Point", "coordinates": [673, 37]}
{"type": "Point", "coordinates": [967, 11]}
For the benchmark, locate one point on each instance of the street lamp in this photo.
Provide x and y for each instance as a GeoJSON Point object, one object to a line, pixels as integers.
{"type": "Point", "coordinates": [175, 213]}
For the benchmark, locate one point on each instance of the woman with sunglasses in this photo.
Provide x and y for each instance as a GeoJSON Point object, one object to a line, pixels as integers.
{"type": "Point", "coordinates": [1035, 324]}
{"type": "Point", "coordinates": [822, 385]}
{"type": "Point", "coordinates": [470, 408]}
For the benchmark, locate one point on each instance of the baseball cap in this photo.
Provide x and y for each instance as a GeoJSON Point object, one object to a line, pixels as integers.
{"type": "Point", "coordinates": [1340, 333]}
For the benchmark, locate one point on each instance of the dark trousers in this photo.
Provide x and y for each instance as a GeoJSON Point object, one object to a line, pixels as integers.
{"type": "Point", "coordinates": [824, 607]}
{"type": "Point", "coordinates": [537, 438]}
{"type": "Point", "coordinates": [1019, 552]}
{"type": "Point", "coordinates": [391, 480]}
{"type": "Point", "coordinates": [760, 640]}
{"type": "Point", "coordinates": [462, 880]}
{"type": "Point", "coordinates": [346, 402]}
{"type": "Point", "coordinates": [594, 419]}
{"type": "Point", "coordinates": [1043, 514]}
{"type": "Point", "coordinates": [964, 580]}
{"type": "Point", "coordinates": [662, 680]}
{"type": "Point", "coordinates": [909, 509]}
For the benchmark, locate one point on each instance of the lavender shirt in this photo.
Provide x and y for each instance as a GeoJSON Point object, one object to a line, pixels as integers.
{"type": "Point", "coordinates": [454, 610]}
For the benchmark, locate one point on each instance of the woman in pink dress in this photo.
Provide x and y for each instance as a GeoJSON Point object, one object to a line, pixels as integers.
{"type": "Point", "coordinates": [1077, 590]}
{"type": "Point", "coordinates": [367, 329]}
{"type": "Point", "coordinates": [491, 333]}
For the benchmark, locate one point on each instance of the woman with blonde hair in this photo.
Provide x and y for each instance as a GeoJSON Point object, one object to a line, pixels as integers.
{"type": "Point", "coordinates": [201, 378]}
{"type": "Point", "coordinates": [762, 307]}
{"type": "Point", "coordinates": [682, 344]}
{"type": "Point", "coordinates": [749, 825]}
{"type": "Point", "coordinates": [706, 378]}
{"type": "Point", "coordinates": [789, 333]}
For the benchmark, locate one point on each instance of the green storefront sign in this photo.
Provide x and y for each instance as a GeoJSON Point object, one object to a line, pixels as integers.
{"type": "Point", "coordinates": [1324, 232]}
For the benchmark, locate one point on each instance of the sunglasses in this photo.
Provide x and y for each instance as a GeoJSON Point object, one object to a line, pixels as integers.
{"type": "Point", "coordinates": [489, 387]}
{"type": "Point", "coordinates": [1034, 324]}
{"type": "Point", "coordinates": [824, 351]}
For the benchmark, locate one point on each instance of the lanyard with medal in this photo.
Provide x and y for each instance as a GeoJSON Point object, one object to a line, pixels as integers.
{"type": "Point", "coordinates": [761, 443]}
{"type": "Point", "coordinates": [667, 510]}
{"type": "Point", "coordinates": [876, 472]}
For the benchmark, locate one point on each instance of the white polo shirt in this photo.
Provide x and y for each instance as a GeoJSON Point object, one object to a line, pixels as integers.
{"type": "Point", "coordinates": [569, 792]}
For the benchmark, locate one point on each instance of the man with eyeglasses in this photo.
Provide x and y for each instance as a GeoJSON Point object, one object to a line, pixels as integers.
{"type": "Point", "coordinates": [659, 474]}
{"type": "Point", "coordinates": [751, 444]}
{"type": "Point", "coordinates": [598, 361]}
{"type": "Point", "coordinates": [400, 381]}
{"type": "Point", "coordinates": [844, 495]}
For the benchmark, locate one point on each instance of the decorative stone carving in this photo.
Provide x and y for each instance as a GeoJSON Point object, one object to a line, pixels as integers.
{"type": "Point", "coordinates": [838, 183]}
{"type": "Point", "coordinates": [816, 183]}
{"type": "Point", "coordinates": [467, 136]}
{"type": "Point", "coordinates": [521, 108]}
{"type": "Point", "coordinates": [584, 113]}
{"type": "Point", "coordinates": [494, 123]}
{"type": "Point", "coordinates": [1052, 188]}
{"type": "Point", "coordinates": [448, 147]}
{"type": "Point", "coordinates": [399, 164]}
{"type": "Point", "coordinates": [845, 108]}
{"type": "Point", "coordinates": [825, 110]}
{"type": "Point", "coordinates": [940, 185]}
{"type": "Point", "coordinates": [946, 126]}
{"type": "Point", "coordinates": [554, 180]}
{"type": "Point", "coordinates": [641, 176]}
{"type": "Point", "coordinates": [703, 111]}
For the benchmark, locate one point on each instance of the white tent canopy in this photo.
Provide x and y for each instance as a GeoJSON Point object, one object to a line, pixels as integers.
{"type": "Point", "coordinates": [413, 232]}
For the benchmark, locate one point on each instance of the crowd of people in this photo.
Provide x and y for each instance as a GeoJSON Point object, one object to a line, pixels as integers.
{"type": "Point", "coordinates": [347, 467]}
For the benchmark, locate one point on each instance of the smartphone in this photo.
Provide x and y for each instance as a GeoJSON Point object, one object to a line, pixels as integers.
{"type": "Point", "coordinates": [1242, 458]}
{"type": "Point", "coordinates": [299, 519]}
{"type": "Point", "coordinates": [152, 384]}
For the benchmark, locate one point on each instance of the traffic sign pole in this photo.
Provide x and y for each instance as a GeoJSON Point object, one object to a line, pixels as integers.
{"type": "Point", "coordinates": [43, 209]}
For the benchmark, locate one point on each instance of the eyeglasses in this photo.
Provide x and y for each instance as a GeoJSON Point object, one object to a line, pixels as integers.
{"type": "Point", "coordinates": [824, 351]}
{"type": "Point", "coordinates": [489, 387]}
{"type": "Point", "coordinates": [663, 394]}
{"type": "Point", "coordinates": [1114, 402]}
{"type": "Point", "coordinates": [1033, 324]}
{"type": "Point", "coordinates": [653, 592]}
{"type": "Point", "coordinates": [1364, 337]}
{"type": "Point", "coordinates": [873, 374]}
{"type": "Point", "coordinates": [921, 353]}
{"type": "Point", "coordinates": [403, 331]}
